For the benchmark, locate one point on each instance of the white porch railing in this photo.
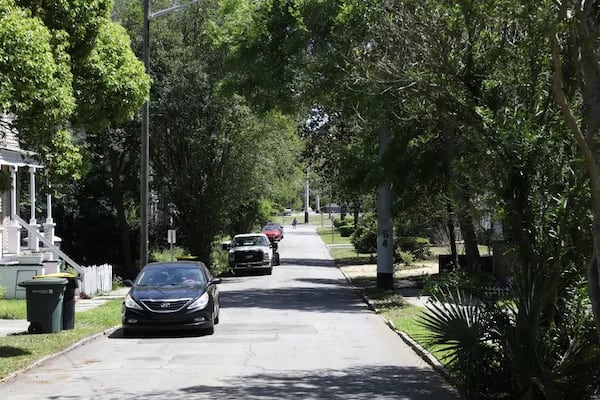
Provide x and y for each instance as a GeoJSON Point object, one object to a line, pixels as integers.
{"type": "Point", "coordinates": [94, 279]}
{"type": "Point", "coordinates": [48, 244]}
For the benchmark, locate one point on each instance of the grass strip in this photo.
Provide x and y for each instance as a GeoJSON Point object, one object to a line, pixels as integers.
{"type": "Point", "coordinates": [13, 309]}
{"type": "Point", "coordinates": [350, 257]}
{"type": "Point", "coordinates": [343, 255]}
{"type": "Point", "coordinates": [19, 351]}
{"type": "Point", "coordinates": [331, 235]}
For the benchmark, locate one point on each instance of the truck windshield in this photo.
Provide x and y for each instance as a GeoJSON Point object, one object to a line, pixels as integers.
{"type": "Point", "coordinates": [249, 241]}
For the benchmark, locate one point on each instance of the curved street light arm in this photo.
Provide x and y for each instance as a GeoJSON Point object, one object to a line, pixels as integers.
{"type": "Point", "coordinates": [171, 9]}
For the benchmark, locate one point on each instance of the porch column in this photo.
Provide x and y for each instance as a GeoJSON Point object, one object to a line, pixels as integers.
{"type": "Point", "coordinates": [13, 230]}
{"type": "Point", "coordinates": [34, 242]}
{"type": "Point", "coordinates": [49, 207]}
{"type": "Point", "coordinates": [49, 224]}
{"type": "Point", "coordinates": [13, 192]}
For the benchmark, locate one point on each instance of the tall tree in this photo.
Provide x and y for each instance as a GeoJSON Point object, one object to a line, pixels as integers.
{"type": "Point", "coordinates": [103, 86]}
{"type": "Point", "coordinates": [61, 86]}
{"type": "Point", "coordinates": [35, 74]}
{"type": "Point", "coordinates": [217, 161]}
{"type": "Point", "coordinates": [576, 61]}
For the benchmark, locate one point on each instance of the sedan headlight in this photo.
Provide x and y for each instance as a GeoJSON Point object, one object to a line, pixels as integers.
{"type": "Point", "coordinates": [201, 302]}
{"type": "Point", "coordinates": [131, 303]}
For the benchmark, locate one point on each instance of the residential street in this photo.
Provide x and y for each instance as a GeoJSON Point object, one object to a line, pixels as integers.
{"type": "Point", "coordinates": [301, 333]}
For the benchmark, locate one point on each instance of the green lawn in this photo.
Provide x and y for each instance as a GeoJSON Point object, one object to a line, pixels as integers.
{"type": "Point", "coordinates": [406, 319]}
{"type": "Point", "coordinates": [13, 309]}
{"type": "Point", "coordinates": [345, 255]}
{"type": "Point", "coordinates": [351, 257]}
{"type": "Point", "coordinates": [19, 351]}
{"type": "Point", "coordinates": [283, 220]}
{"type": "Point", "coordinates": [330, 235]}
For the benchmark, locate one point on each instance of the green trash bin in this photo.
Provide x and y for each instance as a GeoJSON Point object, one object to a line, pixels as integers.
{"type": "Point", "coordinates": [68, 304]}
{"type": "Point", "coordinates": [44, 304]}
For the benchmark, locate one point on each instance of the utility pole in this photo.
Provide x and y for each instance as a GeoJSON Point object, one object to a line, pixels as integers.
{"type": "Point", "coordinates": [306, 199]}
{"type": "Point", "coordinates": [385, 233]}
{"type": "Point", "coordinates": [145, 142]}
{"type": "Point", "coordinates": [145, 139]}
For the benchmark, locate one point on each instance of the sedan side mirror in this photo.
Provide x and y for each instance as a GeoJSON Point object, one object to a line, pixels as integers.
{"type": "Point", "coordinates": [128, 282]}
{"type": "Point", "coordinates": [215, 281]}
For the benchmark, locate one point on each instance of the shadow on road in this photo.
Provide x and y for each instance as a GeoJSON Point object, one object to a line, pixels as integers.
{"type": "Point", "coordinates": [299, 232]}
{"type": "Point", "coordinates": [237, 275]}
{"type": "Point", "coordinates": [323, 281]}
{"type": "Point", "coordinates": [162, 334]}
{"type": "Point", "coordinates": [364, 382]}
{"type": "Point", "coordinates": [308, 262]}
{"type": "Point", "coordinates": [368, 382]}
{"type": "Point", "coordinates": [331, 298]}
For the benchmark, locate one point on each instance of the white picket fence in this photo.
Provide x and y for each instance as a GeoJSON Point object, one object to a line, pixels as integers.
{"type": "Point", "coordinates": [95, 279]}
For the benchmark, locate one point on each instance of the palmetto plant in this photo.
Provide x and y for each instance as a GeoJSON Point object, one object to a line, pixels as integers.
{"type": "Point", "coordinates": [459, 327]}
{"type": "Point", "coordinates": [538, 344]}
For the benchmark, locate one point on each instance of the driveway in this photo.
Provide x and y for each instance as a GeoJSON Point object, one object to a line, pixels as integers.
{"type": "Point", "coordinates": [301, 333]}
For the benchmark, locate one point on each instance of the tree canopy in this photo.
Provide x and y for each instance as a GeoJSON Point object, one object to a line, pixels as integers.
{"type": "Point", "coordinates": [36, 79]}
{"type": "Point", "coordinates": [66, 66]}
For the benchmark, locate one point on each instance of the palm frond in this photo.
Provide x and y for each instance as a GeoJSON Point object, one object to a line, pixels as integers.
{"type": "Point", "coordinates": [453, 321]}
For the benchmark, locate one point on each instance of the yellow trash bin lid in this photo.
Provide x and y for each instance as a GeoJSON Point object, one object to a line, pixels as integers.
{"type": "Point", "coordinates": [57, 275]}
{"type": "Point", "coordinates": [72, 279]}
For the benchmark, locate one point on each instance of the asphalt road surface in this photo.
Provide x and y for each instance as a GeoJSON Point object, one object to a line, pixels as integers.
{"type": "Point", "coordinates": [301, 333]}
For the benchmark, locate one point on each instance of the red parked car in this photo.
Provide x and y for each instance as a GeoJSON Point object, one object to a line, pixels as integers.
{"type": "Point", "coordinates": [274, 231]}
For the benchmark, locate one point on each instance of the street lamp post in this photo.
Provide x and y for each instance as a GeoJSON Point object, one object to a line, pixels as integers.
{"type": "Point", "coordinates": [145, 140]}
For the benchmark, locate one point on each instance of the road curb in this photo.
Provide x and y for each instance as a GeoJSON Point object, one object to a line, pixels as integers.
{"type": "Point", "coordinates": [49, 357]}
{"type": "Point", "coordinates": [417, 348]}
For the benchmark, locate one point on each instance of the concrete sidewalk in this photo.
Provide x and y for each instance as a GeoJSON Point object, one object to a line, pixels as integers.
{"type": "Point", "coordinates": [19, 326]}
{"type": "Point", "coordinates": [407, 288]}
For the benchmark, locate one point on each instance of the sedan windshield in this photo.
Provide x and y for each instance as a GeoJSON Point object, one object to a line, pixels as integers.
{"type": "Point", "coordinates": [170, 275]}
